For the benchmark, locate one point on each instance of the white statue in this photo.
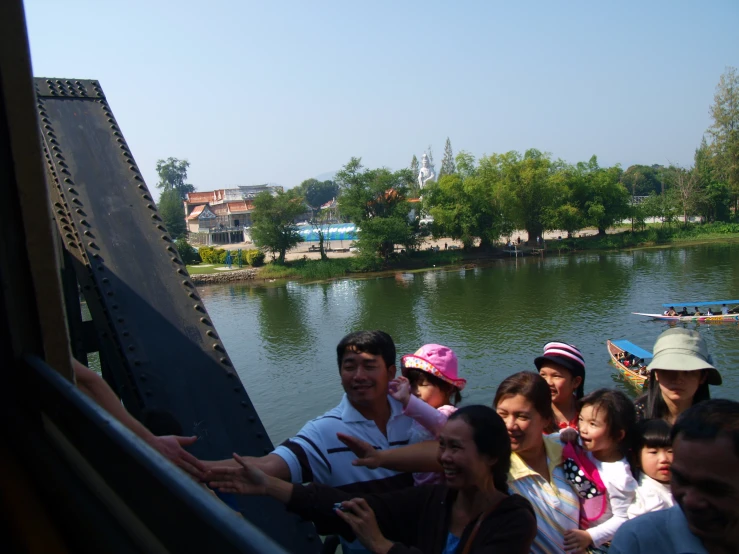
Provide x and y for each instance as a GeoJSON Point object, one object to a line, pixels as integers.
{"type": "Point", "coordinates": [427, 172]}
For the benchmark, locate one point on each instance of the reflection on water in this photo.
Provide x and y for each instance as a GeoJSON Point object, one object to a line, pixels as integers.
{"type": "Point", "coordinates": [283, 339]}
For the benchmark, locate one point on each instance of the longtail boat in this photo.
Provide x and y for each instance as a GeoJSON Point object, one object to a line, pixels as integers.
{"type": "Point", "coordinates": [616, 347]}
{"type": "Point", "coordinates": [731, 317]}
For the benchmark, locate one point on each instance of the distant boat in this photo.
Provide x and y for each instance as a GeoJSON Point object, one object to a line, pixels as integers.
{"type": "Point", "coordinates": [732, 316]}
{"type": "Point", "coordinates": [616, 347]}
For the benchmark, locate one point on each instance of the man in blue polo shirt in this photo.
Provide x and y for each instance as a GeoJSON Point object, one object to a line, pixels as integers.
{"type": "Point", "coordinates": [705, 484]}
{"type": "Point", "coordinates": [366, 365]}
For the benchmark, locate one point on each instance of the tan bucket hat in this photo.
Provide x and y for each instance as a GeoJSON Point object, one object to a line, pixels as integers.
{"type": "Point", "coordinates": [683, 350]}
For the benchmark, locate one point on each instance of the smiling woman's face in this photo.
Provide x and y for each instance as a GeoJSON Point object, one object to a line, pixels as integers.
{"type": "Point", "coordinates": [524, 424]}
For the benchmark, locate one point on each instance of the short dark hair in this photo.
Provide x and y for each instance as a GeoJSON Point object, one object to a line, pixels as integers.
{"type": "Point", "coordinates": [531, 386]}
{"type": "Point", "coordinates": [491, 438]}
{"type": "Point", "coordinates": [620, 414]}
{"type": "Point", "coordinates": [451, 392]}
{"type": "Point", "coordinates": [653, 433]}
{"type": "Point", "coordinates": [370, 342]}
{"type": "Point", "coordinates": [709, 420]}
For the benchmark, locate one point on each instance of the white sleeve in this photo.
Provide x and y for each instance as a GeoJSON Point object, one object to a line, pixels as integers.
{"type": "Point", "coordinates": [304, 457]}
{"type": "Point", "coordinates": [620, 497]}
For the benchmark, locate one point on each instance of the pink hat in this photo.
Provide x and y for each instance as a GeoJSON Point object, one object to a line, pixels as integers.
{"type": "Point", "coordinates": [440, 361]}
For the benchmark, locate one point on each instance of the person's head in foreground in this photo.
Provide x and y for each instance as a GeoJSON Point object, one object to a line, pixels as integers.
{"type": "Point", "coordinates": [705, 470]}
{"type": "Point", "coordinates": [366, 366]}
{"type": "Point", "coordinates": [474, 450]}
{"type": "Point", "coordinates": [679, 373]}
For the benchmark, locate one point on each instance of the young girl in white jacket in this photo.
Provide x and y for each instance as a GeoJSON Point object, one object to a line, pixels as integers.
{"type": "Point", "coordinates": [654, 452]}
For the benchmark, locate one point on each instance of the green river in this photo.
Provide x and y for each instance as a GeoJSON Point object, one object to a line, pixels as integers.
{"type": "Point", "coordinates": [282, 339]}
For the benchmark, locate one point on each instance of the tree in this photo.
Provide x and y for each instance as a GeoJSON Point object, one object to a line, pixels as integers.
{"type": "Point", "coordinates": [447, 162]}
{"type": "Point", "coordinates": [724, 132]}
{"type": "Point", "coordinates": [523, 188]}
{"type": "Point", "coordinates": [685, 184]}
{"type": "Point", "coordinates": [642, 180]}
{"type": "Point", "coordinates": [317, 193]}
{"type": "Point", "coordinates": [173, 213]}
{"type": "Point", "coordinates": [172, 176]}
{"type": "Point", "coordinates": [715, 196]}
{"type": "Point", "coordinates": [415, 167]}
{"type": "Point", "coordinates": [465, 208]}
{"type": "Point", "coordinates": [375, 200]}
{"type": "Point", "coordinates": [273, 221]}
{"type": "Point", "coordinates": [318, 221]}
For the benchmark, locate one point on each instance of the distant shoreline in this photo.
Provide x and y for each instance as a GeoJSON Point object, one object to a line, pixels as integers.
{"type": "Point", "coordinates": [311, 271]}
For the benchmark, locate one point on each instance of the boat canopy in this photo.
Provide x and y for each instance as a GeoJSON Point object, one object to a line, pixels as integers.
{"type": "Point", "coordinates": [696, 304]}
{"type": "Point", "coordinates": [631, 348]}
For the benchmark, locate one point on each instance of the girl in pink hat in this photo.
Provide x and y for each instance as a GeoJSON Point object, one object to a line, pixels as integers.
{"type": "Point", "coordinates": [429, 391]}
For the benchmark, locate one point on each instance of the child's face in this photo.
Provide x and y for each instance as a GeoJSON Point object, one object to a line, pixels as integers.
{"type": "Point", "coordinates": [594, 431]}
{"type": "Point", "coordinates": [656, 462]}
{"type": "Point", "coordinates": [561, 383]}
{"type": "Point", "coordinates": [428, 392]}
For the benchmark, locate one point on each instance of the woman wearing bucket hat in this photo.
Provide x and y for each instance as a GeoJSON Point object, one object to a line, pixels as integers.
{"type": "Point", "coordinates": [679, 375]}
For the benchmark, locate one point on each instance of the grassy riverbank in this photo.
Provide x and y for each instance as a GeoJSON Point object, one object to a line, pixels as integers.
{"type": "Point", "coordinates": [652, 236]}
{"type": "Point", "coordinates": [317, 270]}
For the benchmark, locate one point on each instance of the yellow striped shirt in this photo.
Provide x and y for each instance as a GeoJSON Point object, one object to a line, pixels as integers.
{"type": "Point", "coordinates": [557, 506]}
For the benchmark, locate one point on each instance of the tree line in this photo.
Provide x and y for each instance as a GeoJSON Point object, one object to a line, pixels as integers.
{"type": "Point", "coordinates": [480, 201]}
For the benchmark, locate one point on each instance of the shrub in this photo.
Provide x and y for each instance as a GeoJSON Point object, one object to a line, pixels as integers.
{"type": "Point", "coordinates": [254, 258]}
{"type": "Point", "coordinates": [188, 254]}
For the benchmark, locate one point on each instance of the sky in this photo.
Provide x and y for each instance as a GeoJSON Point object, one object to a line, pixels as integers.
{"type": "Point", "coordinates": [281, 91]}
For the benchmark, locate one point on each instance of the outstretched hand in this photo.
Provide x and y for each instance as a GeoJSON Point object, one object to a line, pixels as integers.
{"type": "Point", "coordinates": [247, 479]}
{"type": "Point", "coordinates": [400, 389]}
{"type": "Point", "coordinates": [171, 447]}
{"type": "Point", "coordinates": [360, 517]}
{"type": "Point", "coordinates": [366, 454]}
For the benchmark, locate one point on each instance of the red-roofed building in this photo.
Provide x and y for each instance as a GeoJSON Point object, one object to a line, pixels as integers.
{"type": "Point", "coordinates": [221, 216]}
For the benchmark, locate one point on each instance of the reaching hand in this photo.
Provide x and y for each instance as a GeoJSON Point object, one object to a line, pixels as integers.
{"type": "Point", "coordinates": [577, 541]}
{"type": "Point", "coordinates": [366, 454]}
{"type": "Point", "coordinates": [170, 446]}
{"type": "Point", "coordinates": [247, 479]}
{"type": "Point", "coordinates": [400, 389]}
{"type": "Point", "coordinates": [360, 517]}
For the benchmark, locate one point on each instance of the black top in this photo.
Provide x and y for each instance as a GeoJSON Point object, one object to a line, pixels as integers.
{"type": "Point", "coordinates": [417, 519]}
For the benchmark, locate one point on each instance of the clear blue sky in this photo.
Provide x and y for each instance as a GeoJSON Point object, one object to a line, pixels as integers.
{"type": "Point", "coordinates": [278, 91]}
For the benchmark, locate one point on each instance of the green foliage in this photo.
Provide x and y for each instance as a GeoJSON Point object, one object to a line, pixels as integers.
{"type": "Point", "coordinates": [464, 207]}
{"type": "Point", "coordinates": [317, 193]}
{"type": "Point", "coordinates": [523, 186]}
{"type": "Point", "coordinates": [643, 180]}
{"type": "Point", "coordinates": [173, 213]}
{"type": "Point", "coordinates": [447, 162]}
{"type": "Point", "coordinates": [312, 270]}
{"type": "Point", "coordinates": [375, 200]}
{"type": "Point", "coordinates": [254, 258]}
{"type": "Point", "coordinates": [188, 254]}
{"type": "Point", "coordinates": [273, 221]}
{"type": "Point", "coordinates": [172, 176]}
{"type": "Point", "coordinates": [724, 132]}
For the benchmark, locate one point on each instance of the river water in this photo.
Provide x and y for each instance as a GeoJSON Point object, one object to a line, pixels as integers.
{"type": "Point", "coordinates": [282, 339]}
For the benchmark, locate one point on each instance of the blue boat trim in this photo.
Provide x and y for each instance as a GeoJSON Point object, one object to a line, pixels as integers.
{"type": "Point", "coordinates": [696, 304]}
{"type": "Point", "coordinates": [631, 348]}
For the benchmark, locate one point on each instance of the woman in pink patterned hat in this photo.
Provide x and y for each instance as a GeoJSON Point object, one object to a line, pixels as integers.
{"type": "Point", "coordinates": [429, 391]}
